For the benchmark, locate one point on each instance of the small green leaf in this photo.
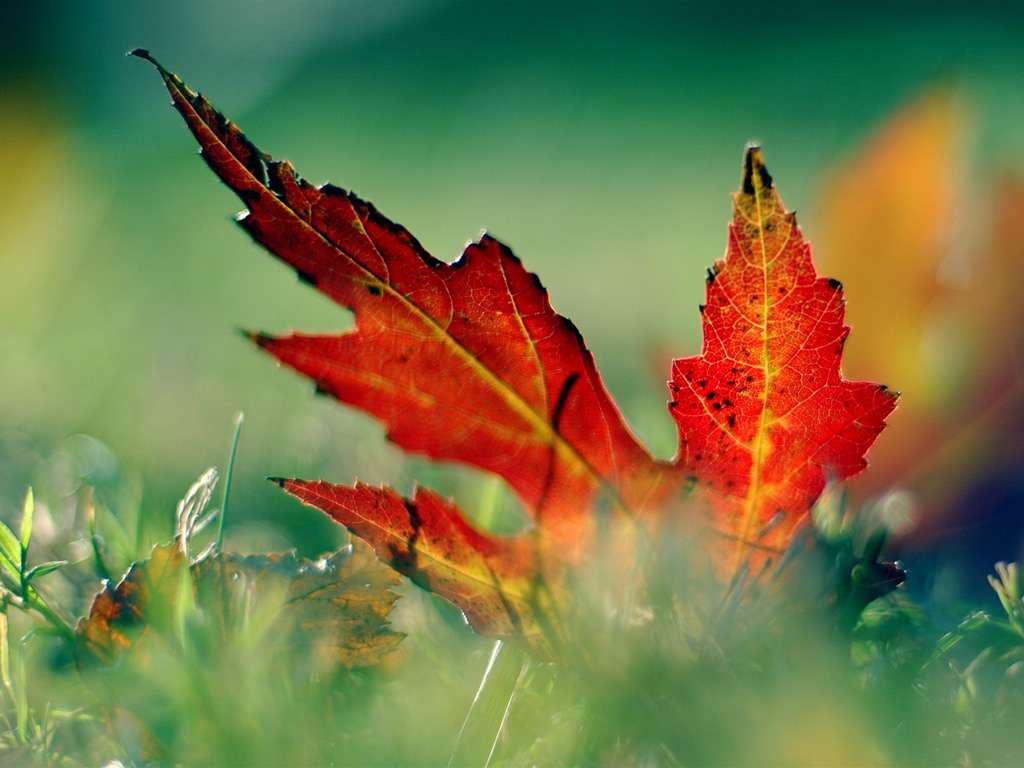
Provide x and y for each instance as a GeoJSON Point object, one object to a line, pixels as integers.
{"type": "Point", "coordinates": [10, 551]}
{"type": "Point", "coordinates": [44, 568]}
{"type": "Point", "coordinates": [27, 513]}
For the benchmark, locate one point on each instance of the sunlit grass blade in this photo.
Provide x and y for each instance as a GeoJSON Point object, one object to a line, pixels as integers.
{"type": "Point", "coordinates": [10, 551]}
{"type": "Point", "coordinates": [44, 568]}
{"type": "Point", "coordinates": [228, 476]}
{"type": "Point", "coordinates": [27, 513]}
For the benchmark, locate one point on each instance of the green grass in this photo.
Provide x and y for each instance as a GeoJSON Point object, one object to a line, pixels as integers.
{"type": "Point", "coordinates": [823, 661]}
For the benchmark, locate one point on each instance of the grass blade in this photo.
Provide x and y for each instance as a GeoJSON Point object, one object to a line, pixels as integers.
{"type": "Point", "coordinates": [27, 513]}
{"type": "Point", "coordinates": [228, 476]}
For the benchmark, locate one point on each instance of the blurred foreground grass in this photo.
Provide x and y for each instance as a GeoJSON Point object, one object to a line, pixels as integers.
{"type": "Point", "coordinates": [825, 663]}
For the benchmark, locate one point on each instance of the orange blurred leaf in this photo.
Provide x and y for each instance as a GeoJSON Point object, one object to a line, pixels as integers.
{"type": "Point", "coordinates": [894, 225]}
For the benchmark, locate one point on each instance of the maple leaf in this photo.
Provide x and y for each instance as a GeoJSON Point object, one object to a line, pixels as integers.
{"type": "Point", "coordinates": [468, 362]}
{"type": "Point", "coordinates": [765, 417]}
{"type": "Point", "coordinates": [496, 582]}
{"type": "Point", "coordinates": [465, 362]}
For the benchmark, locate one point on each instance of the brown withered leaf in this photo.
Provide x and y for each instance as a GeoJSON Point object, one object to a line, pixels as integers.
{"type": "Point", "coordinates": [338, 605]}
{"type": "Point", "coordinates": [122, 614]}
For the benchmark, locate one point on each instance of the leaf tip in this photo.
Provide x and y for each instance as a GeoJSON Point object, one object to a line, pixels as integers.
{"type": "Point", "coordinates": [893, 393]}
{"type": "Point", "coordinates": [278, 481]}
{"type": "Point", "coordinates": [143, 53]}
{"type": "Point", "coordinates": [755, 174]}
{"type": "Point", "coordinates": [259, 338]}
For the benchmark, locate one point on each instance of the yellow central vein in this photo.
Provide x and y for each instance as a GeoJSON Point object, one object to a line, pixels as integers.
{"type": "Point", "coordinates": [758, 452]}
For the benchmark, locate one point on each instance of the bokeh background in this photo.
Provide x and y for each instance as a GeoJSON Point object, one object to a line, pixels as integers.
{"type": "Point", "coordinates": [601, 140]}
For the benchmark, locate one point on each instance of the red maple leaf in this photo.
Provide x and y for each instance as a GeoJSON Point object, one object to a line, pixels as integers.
{"type": "Point", "coordinates": [765, 416]}
{"type": "Point", "coordinates": [468, 362]}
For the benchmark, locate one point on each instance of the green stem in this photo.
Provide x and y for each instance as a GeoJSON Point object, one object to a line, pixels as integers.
{"type": "Point", "coordinates": [35, 601]}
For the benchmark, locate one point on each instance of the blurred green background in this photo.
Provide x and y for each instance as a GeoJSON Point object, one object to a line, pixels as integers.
{"type": "Point", "coordinates": [600, 140]}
